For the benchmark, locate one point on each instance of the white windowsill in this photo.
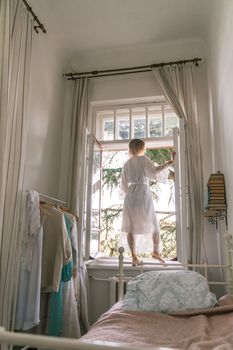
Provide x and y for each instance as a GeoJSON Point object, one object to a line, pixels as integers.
{"type": "Point", "coordinates": [106, 263]}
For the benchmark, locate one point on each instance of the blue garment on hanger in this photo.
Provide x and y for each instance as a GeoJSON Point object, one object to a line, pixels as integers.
{"type": "Point", "coordinates": [55, 320]}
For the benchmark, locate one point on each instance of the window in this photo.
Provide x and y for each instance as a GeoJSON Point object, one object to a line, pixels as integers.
{"type": "Point", "coordinates": [114, 126]}
{"type": "Point", "coordinates": [170, 120]}
{"type": "Point", "coordinates": [155, 121]}
{"type": "Point", "coordinates": [112, 205]}
{"type": "Point", "coordinates": [122, 124]}
{"type": "Point", "coordinates": [152, 121]}
{"type": "Point", "coordinates": [105, 125]}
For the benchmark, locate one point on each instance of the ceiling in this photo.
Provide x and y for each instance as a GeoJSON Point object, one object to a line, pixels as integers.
{"type": "Point", "coordinates": [80, 25]}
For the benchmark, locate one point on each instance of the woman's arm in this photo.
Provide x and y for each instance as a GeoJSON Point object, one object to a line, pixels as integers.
{"type": "Point", "coordinates": [124, 183]}
{"type": "Point", "coordinates": [152, 169]}
{"type": "Point", "coordinates": [163, 166]}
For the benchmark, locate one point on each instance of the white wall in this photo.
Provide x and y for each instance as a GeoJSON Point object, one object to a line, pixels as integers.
{"type": "Point", "coordinates": [45, 117]}
{"type": "Point", "coordinates": [220, 76]}
{"type": "Point", "coordinates": [139, 85]}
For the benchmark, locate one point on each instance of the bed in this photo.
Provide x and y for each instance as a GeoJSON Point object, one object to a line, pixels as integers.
{"type": "Point", "coordinates": [207, 329]}
{"type": "Point", "coordinates": [194, 321]}
{"type": "Point", "coordinates": [186, 319]}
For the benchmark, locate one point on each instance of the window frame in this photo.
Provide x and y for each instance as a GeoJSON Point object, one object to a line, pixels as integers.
{"type": "Point", "coordinates": [165, 141]}
{"type": "Point", "coordinates": [91, 162]}
{"type": "Point", "coordinates": [152, 142]}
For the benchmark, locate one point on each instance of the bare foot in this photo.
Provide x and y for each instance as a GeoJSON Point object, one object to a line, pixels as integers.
{"type": "Point", "coordinates": [157, 256]}
{"type": "Point", "coordinates": [135, 260]}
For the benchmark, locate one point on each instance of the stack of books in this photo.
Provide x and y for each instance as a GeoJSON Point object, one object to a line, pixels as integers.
{"type": "Point", "coordinates": [216, 192]}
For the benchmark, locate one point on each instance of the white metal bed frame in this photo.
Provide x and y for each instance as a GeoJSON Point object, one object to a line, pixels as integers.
{"type": "Point", "coordinates": [228, 267]}
{"type": "Point", "coordinates": [48, 342]}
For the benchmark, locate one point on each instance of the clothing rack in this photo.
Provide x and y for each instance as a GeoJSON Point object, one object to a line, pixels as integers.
{"type": "Point", "coordinates": [128, 70]}
{"type": "Point", "coordinates": [52, 198]}
{"type": "Point", "coordinates": [35, 18]}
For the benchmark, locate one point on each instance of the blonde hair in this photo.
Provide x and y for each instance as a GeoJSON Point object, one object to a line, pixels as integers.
{"type": "Point", "coordinates": [136, 146]}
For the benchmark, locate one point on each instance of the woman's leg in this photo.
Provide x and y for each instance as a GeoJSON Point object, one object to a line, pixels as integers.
{"type": "Point", "coordinates": [131, 243]}
{"type": "Point", "coordinates": [156, 245]}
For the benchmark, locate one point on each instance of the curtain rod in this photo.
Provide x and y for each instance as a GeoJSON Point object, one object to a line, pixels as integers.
{"type": "Point", "coordinates": [40, 25]}
{"type": "Point", "coordinates": [129, 70]}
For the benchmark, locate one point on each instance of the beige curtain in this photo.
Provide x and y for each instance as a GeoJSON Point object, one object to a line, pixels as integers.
{"type": "Point", "coordinates": [81, 124]}
{"type": "Point", "coordinates": [15, 51]}
{"type": "Point", "coordinates": [178, 85]}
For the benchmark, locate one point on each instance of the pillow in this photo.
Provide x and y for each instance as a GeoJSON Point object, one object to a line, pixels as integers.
{"type": "Point", "coordinates": [168, 291]}
{"type": "Point", "coordinates": [226, 300]}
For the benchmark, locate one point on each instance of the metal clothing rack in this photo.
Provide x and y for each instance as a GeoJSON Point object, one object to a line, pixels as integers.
{"type": "Point", "coordinates": [53, 199]}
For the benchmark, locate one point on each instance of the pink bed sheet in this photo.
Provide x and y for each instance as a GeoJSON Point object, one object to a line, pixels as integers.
{"type": "Point", "coordinates": [193, 330]}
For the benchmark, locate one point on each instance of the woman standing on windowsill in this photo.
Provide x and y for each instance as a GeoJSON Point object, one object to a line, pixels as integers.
{"type": "Point", "coordinates": [139, 215]}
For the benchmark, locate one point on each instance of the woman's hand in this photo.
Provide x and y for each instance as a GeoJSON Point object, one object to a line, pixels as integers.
{"type": "Point", "coordinates": [173, 156]}
{"type": "Point", "coordinates": [170, 162]}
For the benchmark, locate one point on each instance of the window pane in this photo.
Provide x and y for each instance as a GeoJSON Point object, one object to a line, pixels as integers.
{"type": "Point", "coordinates": [170, 120]}
{"type": "Point", "coordinates": [138, 123]}
{"type": "Point", "coordinates": [111, 202]}
{"type": "Point", "coordinates": [108, 129]}
{"type": "Point", "coordinates": [97, 155]}
{"type": "Point", "coordinates": [155, 121]}
{"type": "Point", "coordinates": [122, 124]}
{"type": "Point", "coordinates": [105, 125]}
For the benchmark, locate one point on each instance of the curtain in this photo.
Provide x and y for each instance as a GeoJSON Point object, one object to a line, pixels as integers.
{"type": "Point", "coordinates": [80, 126]}
{"type": "Point", "coordinates": [178, 85]}
{"type": "Point", "coordinates": [15, 51]}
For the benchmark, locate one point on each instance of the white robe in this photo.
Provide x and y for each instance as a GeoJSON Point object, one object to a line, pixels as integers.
{"type": "Point", "coordinates": [139, 215]}
{"type": "Point", "coordinates": [28, 295]}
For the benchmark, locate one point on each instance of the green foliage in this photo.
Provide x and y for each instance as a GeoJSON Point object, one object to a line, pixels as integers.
{"type": "Point", "coordinates": [159, 155]}
{"type": "Point", "coordinates": [109, 240]}
{"type": "Point", "coordinates": [111, 178]}
{"type": "Point", "coordinates": [168, 238]}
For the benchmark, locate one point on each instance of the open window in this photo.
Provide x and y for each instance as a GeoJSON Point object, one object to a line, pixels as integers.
{"type": "Point", "coordinates": [93, 204]}
{"type": "Point", "coordinates": [159, 127]}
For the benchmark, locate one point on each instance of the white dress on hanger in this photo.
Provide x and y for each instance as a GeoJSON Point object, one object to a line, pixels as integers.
{"type": "Point", "coordinates": [28, 298]}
